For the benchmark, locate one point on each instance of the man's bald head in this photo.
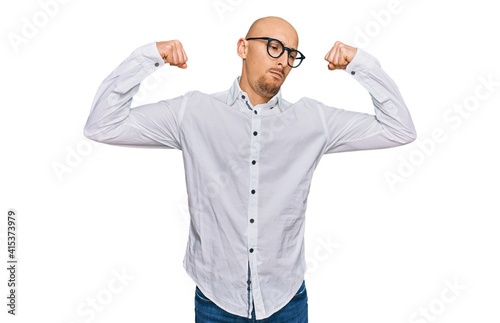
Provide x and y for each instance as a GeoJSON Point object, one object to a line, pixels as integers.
{"type": "Point", "coordinates": [274, 27]}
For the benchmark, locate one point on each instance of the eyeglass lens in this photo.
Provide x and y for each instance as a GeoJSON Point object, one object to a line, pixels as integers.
{"type": "Point", "coordinates": [275, 49]}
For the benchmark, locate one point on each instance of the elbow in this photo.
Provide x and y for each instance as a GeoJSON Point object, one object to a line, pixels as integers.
{"type": "Point", "coordinates": [402, 136]}
{"type": "Point", "coordinates": [88, 133]}
{"type": "Point", "coordinates": [410, 137]}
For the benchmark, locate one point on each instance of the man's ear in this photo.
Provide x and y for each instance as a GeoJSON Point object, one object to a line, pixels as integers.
{"type": "Point", "coordinates": [242, 48]}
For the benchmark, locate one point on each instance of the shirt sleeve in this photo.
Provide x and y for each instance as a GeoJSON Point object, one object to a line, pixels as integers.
{"type": "Point", "coordinates": [390, 126]}
{"type": "Point", "coordinates": [113, 121]}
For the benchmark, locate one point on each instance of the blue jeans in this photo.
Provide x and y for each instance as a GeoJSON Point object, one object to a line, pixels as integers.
{"type": "Point", "coordinates": [294, 311]}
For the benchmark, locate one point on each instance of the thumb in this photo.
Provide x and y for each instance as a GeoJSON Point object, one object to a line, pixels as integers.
{"type": "Point", "coordinates": [184, 65]}
{"type": "Point", "coordinates": [331, 66]}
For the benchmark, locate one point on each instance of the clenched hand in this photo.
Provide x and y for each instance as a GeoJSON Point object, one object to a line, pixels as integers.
{"type": "Point", "coordinates": [172, 53]}
{"type": "Point", "coordinates": [340, 55]}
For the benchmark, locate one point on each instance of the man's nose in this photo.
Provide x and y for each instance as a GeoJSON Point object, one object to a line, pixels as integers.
{"type": "Point", "coordinates": [283, 59]}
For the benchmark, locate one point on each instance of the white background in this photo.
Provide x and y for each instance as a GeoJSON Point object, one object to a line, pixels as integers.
{"type": "Point", "coordinates": [376, 251]}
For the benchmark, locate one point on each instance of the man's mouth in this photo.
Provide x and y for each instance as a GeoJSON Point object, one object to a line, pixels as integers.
{"type": "Point", "coordinates": [277, 74]}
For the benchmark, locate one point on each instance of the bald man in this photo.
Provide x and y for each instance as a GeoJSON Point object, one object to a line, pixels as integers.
{"type": "Point", "coordinates": [249, 156]}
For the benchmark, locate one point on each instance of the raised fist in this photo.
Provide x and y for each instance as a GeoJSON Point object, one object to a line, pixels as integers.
{"type": "Point", "coordinates": [340, 55]}
{"type": "Point", "coordinates": [172, 53]}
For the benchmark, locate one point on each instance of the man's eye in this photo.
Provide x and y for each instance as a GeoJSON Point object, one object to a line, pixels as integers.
{"type": "Point", "coordinates": [274, 47]}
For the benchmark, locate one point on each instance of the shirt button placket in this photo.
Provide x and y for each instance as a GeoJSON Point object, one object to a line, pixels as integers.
{"type": "Point", "coordinates": [253, 194]}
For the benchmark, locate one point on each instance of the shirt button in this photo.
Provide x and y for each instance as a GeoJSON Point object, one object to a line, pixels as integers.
{"type": "Point", "coordinates": [248, 282]}
{"type": "Point", "coordinates": [253, 162]}
{"type": "Point", "coordinates": [157, 64]}
{"type": "Point", "coordinates": [251, 249]}
{"type": "Point", "coordinates": [251, 220]}
{"type": "Point", "coordinates": [243, 97]}
{"type": "Point", "coordinates": [352, 73]}
{"type": "Point", "coordinates": [253, 191]}
{"type": "Point", "coordinates": [255, 111]}
{"type": "Point", "coordinates": [248, 288]}
{"type": "Point", "coordinates": [255, 133]}
{"type": "Point", "coordinates": [272, 107]}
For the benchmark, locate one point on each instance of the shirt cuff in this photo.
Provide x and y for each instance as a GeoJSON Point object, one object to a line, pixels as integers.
{"type": "Point", "coordinates": [361, 63]}
{"type": "Point", "coordinates": [149, 57]}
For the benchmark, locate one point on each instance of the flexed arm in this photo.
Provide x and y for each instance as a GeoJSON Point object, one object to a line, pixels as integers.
{"type": "Point", "coordinates": [113, 121]}
{"type": "Point", "coordinates": [390, 126]}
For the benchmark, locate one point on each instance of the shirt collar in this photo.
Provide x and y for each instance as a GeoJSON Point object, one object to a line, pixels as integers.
{"type": "Point", "coordinates": [235, 91]}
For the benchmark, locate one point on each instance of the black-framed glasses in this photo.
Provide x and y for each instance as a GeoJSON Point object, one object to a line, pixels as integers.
{"type": "Point", "coordinates": [275, 49]}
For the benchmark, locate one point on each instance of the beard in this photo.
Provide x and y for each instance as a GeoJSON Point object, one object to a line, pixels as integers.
{"type": "Point", "coordinates": [266, 89]}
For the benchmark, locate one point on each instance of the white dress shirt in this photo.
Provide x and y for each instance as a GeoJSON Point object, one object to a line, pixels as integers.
{"type": "Point", "coordinates": [248, 170]}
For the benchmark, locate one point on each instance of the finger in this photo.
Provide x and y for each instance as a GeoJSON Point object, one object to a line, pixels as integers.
{"type": "Point", "coordinates": [332, 67]}
{"type": "Point", "coordinates": [180, 65]}
{"type": "Point", "coordinates": [165, 55]}
{"type": "Point", "coordinates": [342, 56]}
{"type": "Point", "coordinates": [171, 54]}
{"type": "Point", "coordinates": [336, 54]}
{"type": "Point", "coordinates": [337, 58]}
{"type": "Point", "coordinates": [181, 61]}
{"type": "Point", "coordinates": [331, 54]}
{"type": "Point", "coordinates": [184, 54]}
{"type": "Point", "coordinates": [328, 54]}
{"type": "Point", "coordinates": [180, 55]}
{"type": "Point", "coordinates": [329, 59]}
{"type": "Point", "coordinates": [184, 58]}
